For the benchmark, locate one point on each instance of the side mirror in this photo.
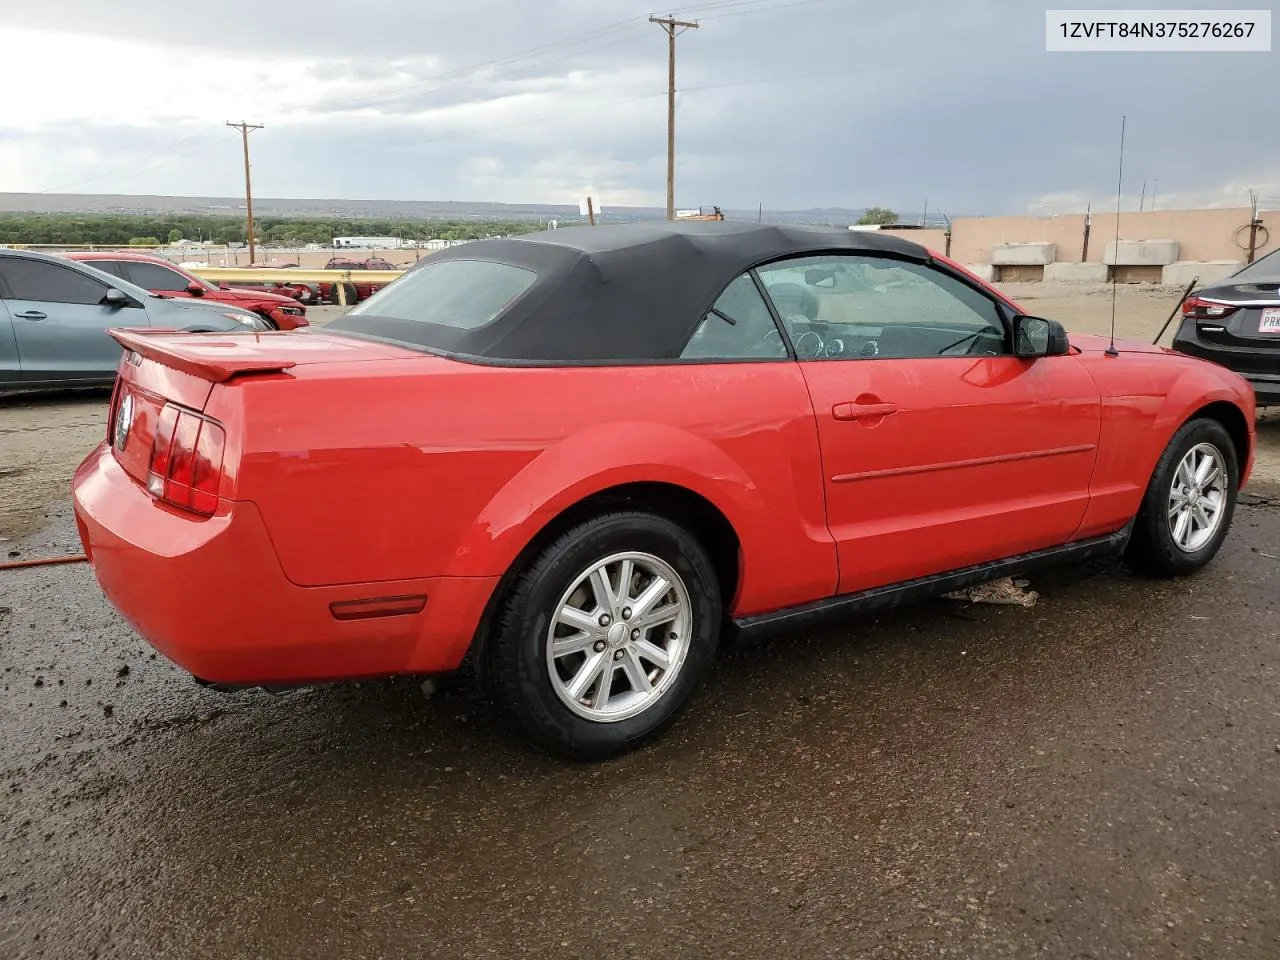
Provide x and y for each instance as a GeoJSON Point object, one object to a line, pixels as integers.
{"type": "Point", "coordinates": [116, 298]}
{"type": "Point", "coordinates": [820, 278]}
{"type": "Point", "coordinates": [195, 289]}
{"type": "Point", "coordinates": [1038, 337]}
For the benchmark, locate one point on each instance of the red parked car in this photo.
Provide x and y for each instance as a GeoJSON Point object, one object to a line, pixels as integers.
{"type": "Point", "coordinates": [577, 457]}
{"type": "Point", "coordinates": [363, 289]}
{"type": "Point", "coordinates": [163, 277]}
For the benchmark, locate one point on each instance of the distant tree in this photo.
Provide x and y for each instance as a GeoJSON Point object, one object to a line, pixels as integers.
{"type": "Point", "coordinates": [880, 215]}
{"type": "Point", "coordinates": [121, 229]}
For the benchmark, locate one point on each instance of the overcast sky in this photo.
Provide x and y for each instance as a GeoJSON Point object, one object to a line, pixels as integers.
{"type": "Point", "coordinates": [795, 103]}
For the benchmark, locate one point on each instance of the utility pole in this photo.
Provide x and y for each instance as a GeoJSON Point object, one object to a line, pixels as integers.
{"type": "Point", "coordinates": [244, 129]}
{"type": "Point", "coordinates": [1254, 224]}
{"type": "Point", "coordinates": [672, 27]}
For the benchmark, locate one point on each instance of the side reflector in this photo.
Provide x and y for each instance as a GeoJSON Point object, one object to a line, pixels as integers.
{"type": "Point", "coordinates": [377, 607]}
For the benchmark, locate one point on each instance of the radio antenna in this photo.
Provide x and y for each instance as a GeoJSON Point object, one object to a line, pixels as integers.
{"type": "Point", "coordinates": [1115, 256]}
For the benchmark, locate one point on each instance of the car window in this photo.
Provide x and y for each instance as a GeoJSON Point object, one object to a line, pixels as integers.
{"type": "Point", "coordinates": [738, 327]}
{"type": "Point", "coordinates": [113, 267]}
{"type": "Point", "coordinates": [152, 276]}
{"type": "Point", "coordinates": [50, 282]}
{"type": "Point", "coordinates": [847, 306]}
{"type": "Point", "coordinates": [463, 294]}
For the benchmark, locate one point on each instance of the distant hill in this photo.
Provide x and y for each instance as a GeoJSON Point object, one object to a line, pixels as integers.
{"type": "Point", "coordinates": [394, 209]}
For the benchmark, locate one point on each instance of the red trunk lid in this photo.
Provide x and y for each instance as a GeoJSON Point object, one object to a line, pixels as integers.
{"type": "Point", "coordinates": [161, 367]}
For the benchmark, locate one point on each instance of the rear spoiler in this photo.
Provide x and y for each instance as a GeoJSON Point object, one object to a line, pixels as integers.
{"type": "Point", "coordinates": [201, 355]}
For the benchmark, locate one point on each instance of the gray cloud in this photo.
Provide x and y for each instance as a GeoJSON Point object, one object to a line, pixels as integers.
{"type": "Point", "coordinates": [839, 102]}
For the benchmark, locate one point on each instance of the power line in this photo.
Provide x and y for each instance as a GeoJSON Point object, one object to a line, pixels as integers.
{"type": "Point", "coordinates": [590, 35]}
{"type": "Point", "coordinates": [756, 6]}
{"type": "Point", "coordinates": [530, 120]}
{"type": "Point", "coordinates": [794, 76]}
{"type": "Point", "coordinates": [378, 100]}
{"type": "Point", "coordinates": [721, 8]}
{"type": "Point", "coordinates": [142, 164]}
{"type": "Point", "coordinates": [616, 103]}
{"type": "Point", "coordinates": [175, 150]}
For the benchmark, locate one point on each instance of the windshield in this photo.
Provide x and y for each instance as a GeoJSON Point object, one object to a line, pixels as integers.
{"type": "Point", "coordinates": [462, 294]}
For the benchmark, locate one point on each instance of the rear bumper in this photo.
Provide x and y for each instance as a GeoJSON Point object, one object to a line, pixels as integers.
{"type": "Point", "coordinates": [210, 595]}
{"type": "Point", "coordinates": [1266, 389]}
{"type": "Point", "coordinates": [1265, 381]}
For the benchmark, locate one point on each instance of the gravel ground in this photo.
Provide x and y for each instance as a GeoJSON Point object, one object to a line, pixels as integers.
{"type": "Point", "coordinates": [1094, 777]}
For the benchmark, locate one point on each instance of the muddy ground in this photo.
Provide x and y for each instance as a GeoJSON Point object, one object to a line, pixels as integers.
{"type": "Point", "coordinates": [1097, 776]}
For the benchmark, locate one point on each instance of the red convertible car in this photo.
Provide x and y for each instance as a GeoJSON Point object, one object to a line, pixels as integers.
{"type": "Point", "coordinates": [576, 458]}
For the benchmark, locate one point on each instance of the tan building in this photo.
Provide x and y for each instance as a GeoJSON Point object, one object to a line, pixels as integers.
{"type": "Point", "coordinates": [1168, 246]}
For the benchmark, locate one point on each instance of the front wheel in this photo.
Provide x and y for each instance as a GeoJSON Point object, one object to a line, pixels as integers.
{"type": "Point", "coordinates": [603, 637]}
{"type": "Point", "coordinates": [1189, 503]}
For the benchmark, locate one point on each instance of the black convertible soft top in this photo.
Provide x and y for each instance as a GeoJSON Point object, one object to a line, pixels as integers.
{"type": "Point", "coordinates": [617, 292]}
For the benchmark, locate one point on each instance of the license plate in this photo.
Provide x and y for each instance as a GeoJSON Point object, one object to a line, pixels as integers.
{"type": "Point", "coordinates": [1269, 322]}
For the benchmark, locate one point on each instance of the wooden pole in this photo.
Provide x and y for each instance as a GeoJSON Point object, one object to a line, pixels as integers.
{"type": "Point", "coordinates": [244, 129]}
{"type": "Point", "coordinates": [670, 25]}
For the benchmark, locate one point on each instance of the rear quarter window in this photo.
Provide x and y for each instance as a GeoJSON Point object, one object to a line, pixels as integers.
{"type": "Point", "coordinates": [462, 294]}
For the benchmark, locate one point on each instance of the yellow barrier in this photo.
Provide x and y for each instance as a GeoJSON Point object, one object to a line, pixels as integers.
{"type": "Point", "coordinates": [235, 275]}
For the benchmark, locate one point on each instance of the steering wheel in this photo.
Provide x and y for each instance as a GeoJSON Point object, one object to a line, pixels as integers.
{"type": "Point", "coordinates": [765, 345]}
{"type": "Point", "coordinates": [817, 351]}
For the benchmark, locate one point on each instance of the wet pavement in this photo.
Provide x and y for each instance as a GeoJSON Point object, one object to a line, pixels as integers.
{"type": "Point", "coordinates": [1097, 776]}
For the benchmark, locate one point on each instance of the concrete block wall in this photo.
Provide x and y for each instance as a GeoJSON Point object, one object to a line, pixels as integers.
{"type": "Point", "coordinates": [1140, 253]}
{"type": "Point", "coordinates": [1023, 254]}
{"type": "Point", "coordinates": [1182, 272]}
{"type": "Point", "coordinates": [984, 271]}
{"type": "Point", "coordinates": [1076, 272]}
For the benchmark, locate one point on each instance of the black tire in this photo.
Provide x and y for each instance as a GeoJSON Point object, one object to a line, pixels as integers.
{"type": "Point", "coordinates": [518, 674]}
{"type": "Point", "coordinates": [353, 295]}
{"type": "Point", "coordinates": [1152, 548]}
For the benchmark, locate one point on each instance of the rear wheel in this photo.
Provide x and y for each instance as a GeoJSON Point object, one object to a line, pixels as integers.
{"type": "Point", "coordinates": [1190, 501]}
{"type": "Point", "coordinates": [602, 638]}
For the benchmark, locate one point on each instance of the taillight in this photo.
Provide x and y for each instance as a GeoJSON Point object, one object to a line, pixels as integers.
{"type": "Point", "coordinates": [114, 408]}
{"type": "Point", "coordinates": [1198, 309]}
{"type": "Point", "coordinates": [186, 460]}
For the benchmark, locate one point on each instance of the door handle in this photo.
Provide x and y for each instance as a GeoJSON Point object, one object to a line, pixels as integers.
{"type": "Point", "coordinates": [860, 411]}
{"type": "Point", "coordinates": [30, 315]}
